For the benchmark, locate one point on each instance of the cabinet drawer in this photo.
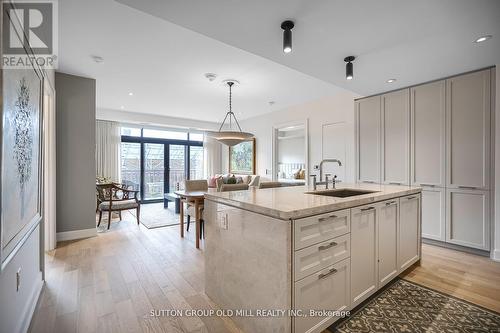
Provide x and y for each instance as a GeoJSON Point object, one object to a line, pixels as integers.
{"type": "Point", "coordinates": [317, 257]}
{"type": "Point", "coordinates": [319, 228]}
{"type": "Point", "coordinates": [327, 290]}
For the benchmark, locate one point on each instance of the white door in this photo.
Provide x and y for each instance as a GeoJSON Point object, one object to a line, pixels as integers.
{"type": "Point", "coordinates": [395, 142]}
{"type": "Point", "coordinates": [409, 231]}
{"type": "Point", "coordinates": [467, 218]}
{"type": "Point", "coordinates": [363, 253]}
{"type": "Point", "coordinates": [428, 134]}
{"type": "Point", "coordinates": [387, 238]}
{"type": "Point", "coordinates": [334, 146]}
{"type": "Point", "coordinates": [433, 213]}
{"type": "Point", "coordinates": [368, 139]}
{"type": "Point", "coordinates": [468, 130]}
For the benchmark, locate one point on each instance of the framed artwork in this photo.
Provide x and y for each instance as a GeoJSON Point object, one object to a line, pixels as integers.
{"type": "Point", "coordinates": [21, 158]}
{"type": "Point", "coordinates": [242, 158]}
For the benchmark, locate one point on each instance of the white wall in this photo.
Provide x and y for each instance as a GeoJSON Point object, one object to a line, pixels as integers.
{"type": "Point", "coordinates": [337, 108]}
{"type": "Point", "coordinates": [496, 250]}
{"type": "Point", "coordinates": [291, 150]}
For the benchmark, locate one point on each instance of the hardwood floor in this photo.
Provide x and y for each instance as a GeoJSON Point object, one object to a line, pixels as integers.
{"type": "Point", "coordinates": [111, 282]}
{"type": "Point", "coordinates": [466, 276]}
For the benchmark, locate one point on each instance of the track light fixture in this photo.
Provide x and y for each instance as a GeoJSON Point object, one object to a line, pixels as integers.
{"type": "Point", "coordinates": [287, 27]}
{"type": "Point", "coordinates": [349, 67]}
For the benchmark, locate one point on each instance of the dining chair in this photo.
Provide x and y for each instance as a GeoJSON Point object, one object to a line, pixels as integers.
{"type": "Point", "coordinates": [112, 198]}
{"type": "Point", "coordinates": [192, 186]}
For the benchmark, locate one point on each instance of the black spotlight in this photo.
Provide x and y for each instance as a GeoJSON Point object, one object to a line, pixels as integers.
{"type": "Point", "coordinates": [287, 27]}
{"type": "Point", "coordinates": [348, 67]}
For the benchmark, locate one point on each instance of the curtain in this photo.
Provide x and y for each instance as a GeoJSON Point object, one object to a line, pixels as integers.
{"type": "Point", "coordinates": [108, 140]}
{"type": "Point", "coordinates": [212, 156]}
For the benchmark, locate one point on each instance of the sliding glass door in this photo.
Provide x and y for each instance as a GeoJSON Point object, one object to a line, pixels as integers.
{"type": "Point", "coordinates": [154, 171]}
{"type": "Point", "coordinates": [159, 164]}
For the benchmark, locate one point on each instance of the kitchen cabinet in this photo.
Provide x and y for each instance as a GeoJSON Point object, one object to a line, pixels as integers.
{"type": "Point", "coordinates": [395, 139]}
{"type": "Point", "coordinates": [468, 130]}
{"type": "Point", "coordinates": [428, 134]}
{"type": "Point", "coordinates": [387, 235]}
{"type": "Point", "coordinates": [434, 213]}
{"type": "Point", "coordinates": [467, 220]}
{"type": "Point", "coordinates": [368, 139]}
{"type": "Point", "coordinates": [326, 289]}
{"type": "Point", "coordinates": [409, 231]}
{"type": "Point", "coordinates": [364, 252]}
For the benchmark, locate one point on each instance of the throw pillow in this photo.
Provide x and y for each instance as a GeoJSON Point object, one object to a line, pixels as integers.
{"type": "Point", "coordinates": [231, 180]}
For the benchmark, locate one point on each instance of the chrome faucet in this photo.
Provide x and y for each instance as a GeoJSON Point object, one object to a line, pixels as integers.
{"type": "Point", "coordinates": [329, 160]}
{"type": "Point", "coordinates": [313, 181]}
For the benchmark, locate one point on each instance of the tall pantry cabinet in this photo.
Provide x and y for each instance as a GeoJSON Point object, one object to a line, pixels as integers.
{"type": "Point", "coordinates": [437, 136]}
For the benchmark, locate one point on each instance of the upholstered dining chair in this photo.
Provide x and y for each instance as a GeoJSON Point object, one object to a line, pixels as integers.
{"type": "Point", "coordinates": [112, 198]}
{"type": "Point", "coordinates": [193, 186]}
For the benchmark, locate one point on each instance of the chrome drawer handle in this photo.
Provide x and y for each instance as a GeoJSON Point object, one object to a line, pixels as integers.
{"type": "Point", "coordinates": [410, 198]}
{"type": "Point", "coordinates": [368, 181]}
{"type": "Point", "coordinates": [390, 203]}
{"type": "Point", "coordinates": [324, 247]}
{"type": "Point", "coordinates": [428, 185]}
{"type": "Point", "coordinates": [330, 272]}
{"type": "Point", "coordinates": [394, 183]}
{"type": "Point", "coordinates": [366, 209]}
{"type": "Point", "coordinates": [321, 219]}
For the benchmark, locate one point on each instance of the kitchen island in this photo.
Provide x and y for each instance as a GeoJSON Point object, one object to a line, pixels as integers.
{"type": "Point", "coordinates": [269, 251]}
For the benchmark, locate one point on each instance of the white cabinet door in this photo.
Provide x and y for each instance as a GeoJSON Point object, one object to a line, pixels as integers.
{"type": "Point", "coordinates": [468, 130]}
{"type": "Point", "coordinates": [395, 140]}
{"type": "Point", "coordinates": [368, 139]}
{"type": "Point", "coordinates": [434, 213]}
{"type": "Point", "coordinates": [428, 139]}
{"type": "Point", "coordinates": [409, 231]}
{"type": "Point", "coordinates": [327, 289]}
{"type": "Point", "coordinates": [363, 253]}
{"type": "Point", "coordinates": [387, 238]}
{"type": "Point", "coordinates": [467, 218]}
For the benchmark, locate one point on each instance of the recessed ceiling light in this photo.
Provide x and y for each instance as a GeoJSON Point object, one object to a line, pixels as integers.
{"type": "Point", "coordinates": [131, 94]}
{"type": "Point", "coordinates": [211, 76]}
{"type": "Point", "coordinates": [483, 38]}
{"type": "Point", "coordinates": [391, 80]}
{"type": "Point", "coordinates": [122, 107]}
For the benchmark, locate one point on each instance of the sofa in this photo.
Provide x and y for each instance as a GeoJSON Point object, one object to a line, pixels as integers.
{"type": "Point", "coordinates": [233, 180]}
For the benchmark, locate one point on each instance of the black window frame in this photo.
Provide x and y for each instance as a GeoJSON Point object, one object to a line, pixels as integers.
{"type": "Point", "coordinates": [166, 142]}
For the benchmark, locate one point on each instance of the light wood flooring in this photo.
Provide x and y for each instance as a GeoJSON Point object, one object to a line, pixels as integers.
{"type": "Point", "coordinates": [111, 282]}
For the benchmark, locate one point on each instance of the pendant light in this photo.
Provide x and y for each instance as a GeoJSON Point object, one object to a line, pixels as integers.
{"type": "Point", "coordinates": [349, 67]}
{"type": "Point", "coordinates": [287, 27]}
{"type": "Point", "coordinates": [230, 137]}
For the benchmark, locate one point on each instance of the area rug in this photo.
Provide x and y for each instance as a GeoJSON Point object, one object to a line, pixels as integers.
{"type": "Point", "coordinates": [408, 307]}
{"type": "Point", "coordinates": [154, 216]}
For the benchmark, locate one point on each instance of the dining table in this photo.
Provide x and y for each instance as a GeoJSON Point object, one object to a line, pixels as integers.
{"type": "Point", "coordinates": [196, 198]}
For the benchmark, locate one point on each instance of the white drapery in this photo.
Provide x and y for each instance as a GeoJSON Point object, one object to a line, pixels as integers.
{"type": "Point", "coordinates": [212, 158]}
{"type": "Point", "coordinates": [108, 140]}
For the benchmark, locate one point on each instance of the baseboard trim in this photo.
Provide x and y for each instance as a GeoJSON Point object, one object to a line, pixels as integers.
{"type": "Point", "coordinates": [495, 255]}
{"type": "Point", "coordinates": [456, 247]}
{"type": "Point", "coordinates": [76, 234]}
{"type": "Point", "coordinates": [31, 306]}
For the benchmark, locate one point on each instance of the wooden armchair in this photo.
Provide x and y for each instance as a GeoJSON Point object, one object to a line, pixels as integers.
{"type": "Point", "coordinates": [112, 197]}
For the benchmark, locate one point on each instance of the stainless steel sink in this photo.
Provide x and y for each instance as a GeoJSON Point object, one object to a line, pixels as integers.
{"type": "Point", "coordinates": [341, 192]}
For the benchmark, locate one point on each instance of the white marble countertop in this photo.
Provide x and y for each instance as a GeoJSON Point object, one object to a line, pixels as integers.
{"type": "Point", "coordinates": [293, 202]}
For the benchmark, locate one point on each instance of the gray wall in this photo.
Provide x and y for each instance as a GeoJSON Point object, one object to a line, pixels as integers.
{"type": "Point", "coordinates": [75, 126]}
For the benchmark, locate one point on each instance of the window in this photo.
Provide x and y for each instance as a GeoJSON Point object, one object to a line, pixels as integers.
{"type": "Point", "coordinates": [195, 136]}
{"type": "Point", "coordinates": [161, 134]}
{"type": "Point", "coordinates": [130, 131]}
{"type": "Point", "coordinates": [156, 161]}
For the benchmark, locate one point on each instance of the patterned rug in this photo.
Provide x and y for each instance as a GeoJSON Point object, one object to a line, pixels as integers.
{"type": "Point", "coordinates": [153, 215]}
{"type": "Point", "coordinates": [407, 307]}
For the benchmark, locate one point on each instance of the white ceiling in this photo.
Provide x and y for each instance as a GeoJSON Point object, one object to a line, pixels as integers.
{"type": "Point", "coordinates": [412, 41]}
{"type": "Point", "coordinates": [163, 65]}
